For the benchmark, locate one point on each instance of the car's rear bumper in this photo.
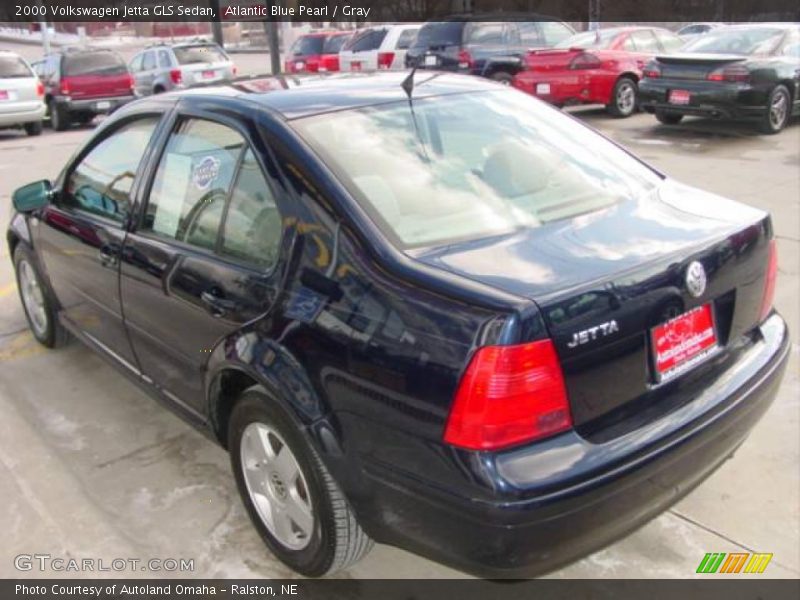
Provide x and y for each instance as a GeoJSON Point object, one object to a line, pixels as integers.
{"type": "Point", "coordinates": [708, 99]}
{"type": "Point", "coordinates": [566, 87]}
{"type": "Point", "coordinates": [566, 497]}
{"type": "Point", "coordinates": [95, 105]}
{"type": "Point", "coordinates": [12, 117]}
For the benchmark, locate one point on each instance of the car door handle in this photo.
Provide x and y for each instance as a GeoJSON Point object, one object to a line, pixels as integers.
{"type": "Point", "coordinates": [215, 304]}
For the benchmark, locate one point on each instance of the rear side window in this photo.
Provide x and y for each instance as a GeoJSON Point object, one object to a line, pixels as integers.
{"type": "Point", "coordinates": [192, 182]}
{"type": "Point", "coordinates": [530, 34]}
{"type": "Point", "coordinates": [447, 33]}
{"type": "Point", "coordinates": [94, 63]}
{"type": "Point", "coordinates": [205, 53]}
{"type": "Point", "coordinates": [101, 183]}
{"type": "Point", "coordinates": [136, 63]}
{"type": "Point", "coordinates": [13, 66]}
{"type": "Point", "coordinates": [164, 60]}
{"type": "Point", "coordinates": [252, 229]}
{"type": "Point", "coordinates": [485, 33]}
{"type": "Point", "coordinates": [406, 38]}
{"type": "Point", "coordinates": [645, 41]}
{"type": "Point", "coordinates": [307, 45]}
{"type": "Point", "coordinates": [334, 43]}
{"type": "Point", "coordinates": [149, 61]}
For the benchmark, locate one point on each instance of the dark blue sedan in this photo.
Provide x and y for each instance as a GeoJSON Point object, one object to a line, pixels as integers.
{"type": "Point", "coordinates": [431, 312]}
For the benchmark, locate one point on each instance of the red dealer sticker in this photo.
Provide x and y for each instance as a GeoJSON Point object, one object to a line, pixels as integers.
{"type": "Point", "coordinates": [684, 341]}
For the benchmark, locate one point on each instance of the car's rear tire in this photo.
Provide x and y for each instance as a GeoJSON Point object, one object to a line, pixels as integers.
{"type": "Point", "coordinates": [294, 503]}
{"type": "Point", "coordinates": [779, 111]}
{"type": "Point", "coordinates": [502, 77]}
{"type": "Point", "coordinates": [34, 128]}
{"type": "Point", "coordinates": [59, 116]}
{"type": "Point", "coordinates": [668, 118]}
{"type": "Point", "coordinates": [624, 98]}
{"type": "Point", "coordinates": [37, 303]}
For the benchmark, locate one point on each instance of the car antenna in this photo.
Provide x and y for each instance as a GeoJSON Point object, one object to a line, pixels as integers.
{"type": "Point", "coordinates": [408, 88]}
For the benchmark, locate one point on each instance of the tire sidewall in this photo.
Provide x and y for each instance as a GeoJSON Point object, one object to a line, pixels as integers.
{"type": "Point", "coordinates": [256, 405]}
{"type": "Point", "coordinates": [48, 338]}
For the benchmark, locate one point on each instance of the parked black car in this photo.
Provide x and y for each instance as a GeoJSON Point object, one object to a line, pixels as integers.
{"type": "Point", "coordinates": [82, 83]}
{"type": "Point", "coordinates": [477, 330]}
{"type": "Point", "coordinates": [738, 72]}
{"type": "Point", "coordinates": [479, 46]}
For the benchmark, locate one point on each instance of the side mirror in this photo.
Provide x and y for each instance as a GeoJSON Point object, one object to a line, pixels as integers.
{"type": "Point", "coordinates": [32, 196]}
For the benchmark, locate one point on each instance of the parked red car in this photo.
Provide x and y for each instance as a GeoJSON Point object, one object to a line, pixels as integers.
{"type": "Point", "coordinates": [595, 67]}
{"type": "Point", "coordinates": [316, 52]}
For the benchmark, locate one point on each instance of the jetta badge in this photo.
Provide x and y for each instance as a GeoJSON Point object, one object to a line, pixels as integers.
{"type": "Point", "coordinates": [696, 279]}
{"type": "Point", "coordinates": [592, 333]}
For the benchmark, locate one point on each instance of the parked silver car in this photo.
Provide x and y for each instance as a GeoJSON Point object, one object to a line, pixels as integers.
{"type": "Point", "coordinates": [165, 67]}
{"type": "Point", "coordinates": [21, 95]}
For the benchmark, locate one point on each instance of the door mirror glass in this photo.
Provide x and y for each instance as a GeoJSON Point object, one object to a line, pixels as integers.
{"type": "Point", "coordinates": [32, 196]}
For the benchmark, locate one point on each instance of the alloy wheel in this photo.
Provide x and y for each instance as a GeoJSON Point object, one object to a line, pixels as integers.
{"type": "Point", "coordinates": [626, 98]}
{"type": "Point", "coordinates": [778, 110]}
{"type": "Point", "coordinates": [33, 298]}
{"type": "Point", "coordinates": [277, 486]}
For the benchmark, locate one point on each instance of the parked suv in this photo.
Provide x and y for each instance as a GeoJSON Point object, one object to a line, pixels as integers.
{"type": "Point", "coordinates": [491, 49]}
{"type": "Point", "coordinates": [21, 95]}
{"type": "Point", "coordinates": [316, 52]}
{"type": "Point", "coordinates": [378, 48]}
{"type": "Point", "coordinates": [162, 68]}
{"type": "Point", "coordinates": [81, 84]}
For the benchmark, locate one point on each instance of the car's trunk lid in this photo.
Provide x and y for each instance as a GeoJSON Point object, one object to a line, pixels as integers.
{"type": "Point", "coordinates": [694, 66]}
{"type": "Point", "coordinates": [551, 59]}
{"type": "Point", "coordinates": [604, 280]}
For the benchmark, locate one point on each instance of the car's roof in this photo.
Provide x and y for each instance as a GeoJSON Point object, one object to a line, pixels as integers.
{"type": "Point", "coordinates": [302, 96]}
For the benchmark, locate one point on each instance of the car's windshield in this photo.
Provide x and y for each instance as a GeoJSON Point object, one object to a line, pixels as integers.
{"type": "Point", "coordinates": [760, 40]}
{"type": "Point", "coordinates": [474, 165]}
{"type": "Point", "coordinates": [208, 53]}
{"type": "Point", "coordinates": [94, 63]}
{"type": "Point", "coordinates": [13, 66]}
{"type": "Point", "coordinates": [589, 39]}
{"type": "Point", "coordinates": [308, 44]}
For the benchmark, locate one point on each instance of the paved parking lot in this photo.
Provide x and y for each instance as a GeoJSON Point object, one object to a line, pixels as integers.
{"type": "Point", "coordinates": [91, 467]}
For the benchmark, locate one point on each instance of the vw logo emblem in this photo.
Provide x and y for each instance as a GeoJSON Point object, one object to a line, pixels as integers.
{"type": "Point", "coordinates": [696, 279]}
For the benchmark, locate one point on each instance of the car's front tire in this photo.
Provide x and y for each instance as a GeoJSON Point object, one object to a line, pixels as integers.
{"type": "Point", "coordinates": [34, 128]}
{"type": "Point", "coordinates": [294, 503]}
{"type": "Point", "coordinates": [668, 118]}
{"type": "Point", "coordinates": [624, 98]}
{"type": "Point", "coordinates": [779, 110]}
{"type": "Point", "coordinates": [37, 303]}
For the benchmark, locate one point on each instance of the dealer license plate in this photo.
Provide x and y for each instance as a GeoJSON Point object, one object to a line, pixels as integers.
{"type": "Point", "coordinates": [431, 60]}
{"type": "Point", "coordinates": [683, 342]}
{"type": "Point", "coordinates": [355, 65]}
{"type": "Point", "coordinates": [679, 97]}
{"type": "Point", "coordinates": [103, 105]}
{"type": "Point", "coordinates": [542, 89]}
{"type": "Point", "coordinates": [209, 74]}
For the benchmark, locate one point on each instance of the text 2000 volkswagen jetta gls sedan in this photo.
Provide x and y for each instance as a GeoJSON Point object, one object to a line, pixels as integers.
{"type": "Point", "coordinates": [464, 324]}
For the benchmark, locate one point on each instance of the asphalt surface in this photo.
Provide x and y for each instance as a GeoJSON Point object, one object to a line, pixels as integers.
{"type": "Point", "coordinates": [91, 467]}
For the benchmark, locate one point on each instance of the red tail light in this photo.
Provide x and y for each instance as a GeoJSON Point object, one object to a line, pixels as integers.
{"type": "Point", "coordinates": [769, 283]}
{"type": "Point", "coordinates": [176, 75]}
{"type": "Point", "coordinates": [39, 88]}
{"type": "Point", "coordinates": [385, 60]}
{"type": "Point", "coordinates": [509, 395]}
{"type": "Point", "coordinates": [63, 87]}
{"type": "Point", "coordinates": [585, 60]}
{"type": "Point", "coordinates": [652, 71]}
{"type": "Point", "coordinates": [464, 60]}
{"type": "Point", "coordinates": [731, 73]}
{"type": "Point", "coordinates": [130, 81]}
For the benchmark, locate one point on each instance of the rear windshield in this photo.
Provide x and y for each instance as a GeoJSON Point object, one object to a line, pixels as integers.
{"type": "Point", "coordinates": [189, 55]}
{"type": "Point", "coordinates": [488, 163]}
{"type": "Point", "coordinates": [590, 39]}
{"type": "Point", "coordinates": [334, 43]}
{"type": "Point", "coordinates": [448, 33]}
{"type": "Point", "coordinates": [308, 44]}
{"type": "Point", "coordinates": [760, 40]}
{"type": "Point", "coordinates": [94, 63]}
{"type": "Point", "coordinates": [13, 66]}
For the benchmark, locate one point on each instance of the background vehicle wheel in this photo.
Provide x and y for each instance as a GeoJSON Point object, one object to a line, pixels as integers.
{"type": "Point", "coordinates": [158, 90]}
{"type": "Point", "coordinates": [34, 128]}
{"type": "Point", "coordinates": [668, 118]}
{"type": "Point", "coordinates": [294, 503]}
{"type": "Point", "coordinates": [59, 118]}
{"type": "Point", "coordinates": [502, 77]}
{"type": "Point", "coordinates": [624, 98]}
{"type": "Point", "coordinates": [779, 110]}
{"type": "Point", "coordinates": [36, 301]}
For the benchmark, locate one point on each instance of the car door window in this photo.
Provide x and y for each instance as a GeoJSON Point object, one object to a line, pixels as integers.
{"type": "Point", "coordinates": [645, 42]}
{"type": "Point", "coordinates": [101, 182]}
{"type": "Point", "coordinates": [252, 229]}
{"type": "Point", "coordinates": [164, 59]}
{"type": "Point", "coordinates": [192, 182]}
{"type": "Point", "coordinates": [149, 61]}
